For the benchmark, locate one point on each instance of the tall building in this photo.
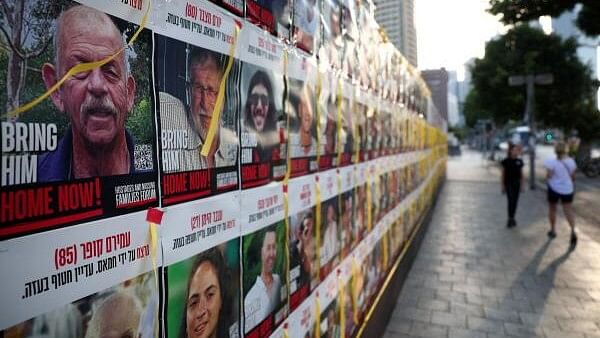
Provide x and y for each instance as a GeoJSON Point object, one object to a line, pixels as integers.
{"type": "Point", "coordinates": [397, 17]}
{"type": "Point", "coordinates": [588, 49]}
{"type": "Point", "coordinates": [437, 80]}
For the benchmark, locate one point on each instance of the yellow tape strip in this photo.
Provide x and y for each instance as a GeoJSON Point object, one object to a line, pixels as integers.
{"type": "Point", "coordinates": [339, 147]}
{"type": "Point", "coordinates": [318, 318]}
{"type": "Point", "coordinates": [80, 68]}
{"type": "Point", "coordinates": [342, 305]}
{"type": "Point", "coordinates": [369, 204]}
{"type": "Point", "coordinates": [354, 291]}
{"type": "Point", "coordinates": [154, 253]}
{"type": "Point", "coordinates": [319, 91]}
{"type": "Point", "coordinates": [216, 115]}
{"type": "Point", "coordinates": [318, 227]}
{"type": "Point", "coordinates": [286, 180]}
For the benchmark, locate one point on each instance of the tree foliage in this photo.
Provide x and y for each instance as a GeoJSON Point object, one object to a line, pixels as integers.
{"type": "Point", "coordinates": [515, 11]}
{"type": "Point", "coordinates": [568, 103]}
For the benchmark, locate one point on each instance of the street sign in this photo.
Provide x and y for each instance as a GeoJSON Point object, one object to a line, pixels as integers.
{"type": "Point", "coordinates": [544, 79]}
{"type": "Point", "coordinates": [516, 80]}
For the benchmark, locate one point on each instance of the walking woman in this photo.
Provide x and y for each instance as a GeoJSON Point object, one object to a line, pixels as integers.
{"type": "Point", "coordinates": [512, 180]}
{"type": "Point", "coordinates": [560, 177]}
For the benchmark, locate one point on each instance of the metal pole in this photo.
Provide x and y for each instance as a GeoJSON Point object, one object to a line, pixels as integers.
{"type": "Point", "coordinates": [531, 117]}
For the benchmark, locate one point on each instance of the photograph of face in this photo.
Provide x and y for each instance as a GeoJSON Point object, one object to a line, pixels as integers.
{"type": "Point", "coordinates": [302, 247]}
{"type": "Point", "coordinates": [302, 140]}
{"type": "Point", "coordinates": [126, 310]}
{"type": "Point", "coordinates": [282, 10]}
{"type": "Point", "coordinates": [202, 294]}
{"type": "Point", "coordinates": [264, 275]}
{"type": "Point", "coordinates": [347, 127]}
{"type": "Point", "coordinates": [260, 113]}
{"type": "Point", "coordinates": [188, 83]}
{"type": "Point", "coordinates": [306, 22]}
{"type": "Point", "coordinates": [330, 231]}
{"type": "Point", "coordinates": [350, 226]}
{"type": "Point", "coordinates": [95, 114]}
{"type": "Point", "coordinates": [330, 321]}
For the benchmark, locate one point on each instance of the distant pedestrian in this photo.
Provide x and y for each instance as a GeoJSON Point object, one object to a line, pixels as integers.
{"type": "Point", "coordinates": [512, 180]}
{"type": "Point", "coordinates": [560, 177]}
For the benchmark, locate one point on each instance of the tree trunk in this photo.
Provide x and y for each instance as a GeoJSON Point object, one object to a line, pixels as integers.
{"type": "Point", "coordinates": [16, 65]}
{"type": "Point", "coordinates": [584, 151]}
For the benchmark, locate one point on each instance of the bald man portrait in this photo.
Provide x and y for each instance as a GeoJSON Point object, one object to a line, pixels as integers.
{"type": "Point", "coordinates": [118, 316]}
{"type": "Point", "coordinates": [96, 102]}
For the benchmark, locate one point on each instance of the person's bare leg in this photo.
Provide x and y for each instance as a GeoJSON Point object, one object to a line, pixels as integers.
{"type": "Point", "coordinates": [568, 209]}
{"type": "Point", "coordinates": [552, 217]}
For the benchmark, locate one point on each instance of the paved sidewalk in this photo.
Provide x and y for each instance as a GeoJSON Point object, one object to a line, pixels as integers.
{"type": "Point", "coordinates": [473, 277]}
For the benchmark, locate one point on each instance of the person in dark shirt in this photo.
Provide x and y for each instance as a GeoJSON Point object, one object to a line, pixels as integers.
{"type": "Point", "coordinates": [512, 180]}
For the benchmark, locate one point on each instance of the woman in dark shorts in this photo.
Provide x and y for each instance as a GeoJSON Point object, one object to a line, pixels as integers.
{"type": "Point", "coordinates": [560, 177]}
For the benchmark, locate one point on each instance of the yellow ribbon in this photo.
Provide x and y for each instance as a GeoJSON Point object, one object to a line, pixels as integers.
{"type": "Point", "coordinates": [154, 253]}
{"type": "Point", "coordinates": [353, 294]}
{"type": "Point", "coordinates": [369, 204]}
{"type": "Point", "coordinates": [286, 180]}
{"type": "Point", "coordinates": [339, 147]}
{"type": "Point", "coordinates": [81, 68]}
{"type": "Point", "coordinates": [318, 317]}
{"type": "Point", "coordinates": [216, 115]}
{"type": "Point", "coordinates": [342, 297]}
{"type": "Point", "coordinates": [319, 91]}
{"type": "Point", "coordinates": [385, 249]}
{"type": "Point", "coordinates": [318, 227]}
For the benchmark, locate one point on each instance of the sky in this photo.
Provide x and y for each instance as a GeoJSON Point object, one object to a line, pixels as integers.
{"type": "Point", "coordinates": [449, 33]}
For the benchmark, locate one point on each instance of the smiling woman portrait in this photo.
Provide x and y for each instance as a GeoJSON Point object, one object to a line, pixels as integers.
{"type": "Point", "coordinates": [208, 303]}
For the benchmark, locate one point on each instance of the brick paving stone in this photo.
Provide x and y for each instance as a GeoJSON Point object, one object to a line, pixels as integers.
{"type": "Point", "coordinates": [449, 319]}
{"type": "Point", "coordinates": [464, 333]}
{"type": "Point", "coordinates": [483, 324]}
{"type": "Point", "coordinates": [428, 330]}
{"type": "Point", "coordinates": [473, 277]}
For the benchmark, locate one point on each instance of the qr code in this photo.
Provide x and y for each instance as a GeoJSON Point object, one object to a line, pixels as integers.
{"type": "Point", "coordinates": [142, 155]}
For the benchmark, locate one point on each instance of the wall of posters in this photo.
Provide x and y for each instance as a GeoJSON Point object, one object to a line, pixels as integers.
{"type": "Point", "coordinates": [263, 120]}
{"type": "Point", "coordinates": [87, 152]}
{"type": "Point", "coordinates": [205, 168]}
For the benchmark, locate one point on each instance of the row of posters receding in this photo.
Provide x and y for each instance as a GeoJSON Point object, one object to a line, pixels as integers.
{"type": "Point", "coordinates": [230, 265]}
{"type": "Point", "coordinates": [128, 135]}
{"type": "Point", "coordinates": [80, 167]}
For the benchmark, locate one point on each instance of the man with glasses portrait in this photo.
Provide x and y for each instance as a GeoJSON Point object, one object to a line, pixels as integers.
{"type": "Point", "coordinates": [186, 128]}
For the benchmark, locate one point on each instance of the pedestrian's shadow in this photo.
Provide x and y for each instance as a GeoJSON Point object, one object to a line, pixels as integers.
{"type": "Point", "coordinates": [544, 281]}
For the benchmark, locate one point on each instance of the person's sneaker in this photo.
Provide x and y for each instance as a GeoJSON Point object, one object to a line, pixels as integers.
{"type": "Point", "coordinates": [573, 239]}
{"type": "Point", "coordinates": [551, 234]}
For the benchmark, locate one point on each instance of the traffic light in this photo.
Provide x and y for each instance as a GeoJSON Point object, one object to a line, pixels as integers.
{"type": "Point", "coordinates": [548, 136]}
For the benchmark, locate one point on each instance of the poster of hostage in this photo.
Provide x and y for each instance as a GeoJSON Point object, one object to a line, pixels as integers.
{"type": "Point", "coordinates": [202, 297]}
{"type": "Point", "coordinates": [262, 123]}
{"type": "Point", "coordinates": [262, 118]}
{"type": "Point", "coordinates": [188, 80]}
{"type": "Point", "coordinates": [46, 291]}
{"type": "Point", "coordinates": [301, 107]}
{"type": "Point", "coordinates": [88, 150]}
{"type": "Point", "coordinates": [128, 309]}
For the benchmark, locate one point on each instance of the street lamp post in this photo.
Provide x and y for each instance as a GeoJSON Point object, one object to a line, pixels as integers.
{"type": "Point", "coordinates": [530, 80]}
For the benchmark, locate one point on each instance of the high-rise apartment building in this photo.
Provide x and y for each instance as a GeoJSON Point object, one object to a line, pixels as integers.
{"type": "Point", "coordinates": [397, 17]}
{"type": "Point", "coordinates": [437, 80]}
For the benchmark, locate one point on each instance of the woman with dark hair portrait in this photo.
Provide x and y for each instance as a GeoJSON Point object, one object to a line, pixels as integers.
{"type": "Point", "coordinates": [260, 116]}
{"type": "Point", "coordinates": [208, 300]}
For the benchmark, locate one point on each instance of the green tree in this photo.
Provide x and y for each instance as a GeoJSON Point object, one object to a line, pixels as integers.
{"type": "Point", "coordinates": [568, 103]}
{"type": "Point", "coordinates": [515, 11]}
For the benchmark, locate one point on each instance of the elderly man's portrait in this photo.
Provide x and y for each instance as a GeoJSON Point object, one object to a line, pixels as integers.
{"type": "Point", "coordinates": [188, 83]}
{"type": "Point", "coordinates": [262, 91]}
{"type": "Point", "coordinates": [126, 310]}
{"type": "Point", "coordinates": [303, 142]}
{"type": "Point", "coordinates": [103, 117]}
